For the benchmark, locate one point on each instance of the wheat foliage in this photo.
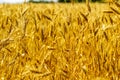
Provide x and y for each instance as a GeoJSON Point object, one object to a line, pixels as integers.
{"type": "Point", "coordinates": [59, 42]}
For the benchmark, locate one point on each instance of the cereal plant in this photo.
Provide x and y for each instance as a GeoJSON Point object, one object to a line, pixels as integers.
{"type": "Point", "coordinates": [60, 41]}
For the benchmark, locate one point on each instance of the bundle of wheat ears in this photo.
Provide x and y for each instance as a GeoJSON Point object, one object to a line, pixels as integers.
{"type": "Point", "coordinates": [60, 41]}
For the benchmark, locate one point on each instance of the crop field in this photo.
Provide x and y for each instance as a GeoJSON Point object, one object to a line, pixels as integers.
{"type": "Point", "coordinates": [59, 41]}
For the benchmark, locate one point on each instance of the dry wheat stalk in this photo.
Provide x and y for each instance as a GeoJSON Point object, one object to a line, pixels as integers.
{"type": "Point", "coordinates": [88, 5]}
{"type": "Point", "coordinates": [60, 42]}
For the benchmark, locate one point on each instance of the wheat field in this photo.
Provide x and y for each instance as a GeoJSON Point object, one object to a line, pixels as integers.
{"type": "Point", "coordinates": [60, 41]}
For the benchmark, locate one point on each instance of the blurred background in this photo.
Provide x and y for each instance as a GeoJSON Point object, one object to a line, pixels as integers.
{"type": "Point", "coordinates": [46, 1]}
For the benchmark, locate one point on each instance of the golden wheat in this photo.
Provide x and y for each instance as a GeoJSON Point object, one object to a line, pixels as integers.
{"type": "Point", "coordinates": [59, 42]}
